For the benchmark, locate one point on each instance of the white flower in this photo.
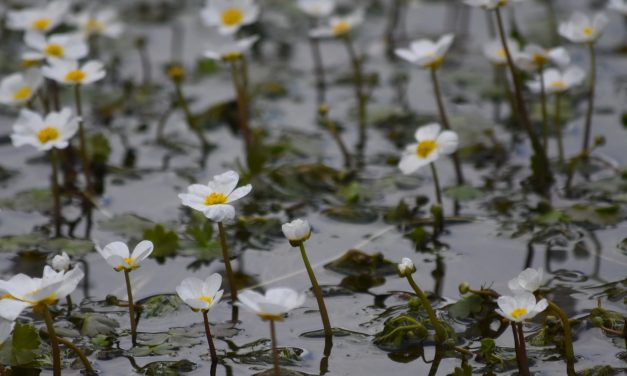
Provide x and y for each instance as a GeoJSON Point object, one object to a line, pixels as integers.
{"type": "Point", "coordinates": [558, 82]}
{"type": "Point", "coordinates": [296, 231]}
{"type": "Point", "coordinates": [425, 53]}
{"type": "Point", "coordinates": [495, 52]}
{"type": "Point", "coordinates": [69, 72]}
{"type": "Point", "coordinates": [520, 307]}
{"type": "Point", "coordinates": [618, 5]}
{"type": "Point", "coordinates": [103, 22]}
{"type": "Point", "coordinates": [214, 198]}
{"type": "Point", "coordinates": [53, 131]}
{"type": "Point", "coordinates": [201, 295]}
{"type": "Point", "coordinates": [339, 26]}
{"type": "Point", "coordinates": [6, 327]}
{"type": "Point", "coordinates": [534, 57]}
{"type": "Point", "coordinates": [582, 29]}
{"type": "Point", "coordinates": [19, 88]}
{"type": "Point", "coordinates": [120, 258]}
{"type": "Point", "coordinates": [22, 291]}
{"type": "Point", "coordinates": [317, 8]}
{"type": "Point", "coordinates": [490, 4]}
{"type": "Point", "coordinates": [61, 263]}
{"type": "Point", "coordinates": [406, 267]}
{"type": "Point", "coordinates": [431, 144]}
{"type": "Point", "coordinates": [273, 305]}
{"type": "Point", "coordinates": [528, 280]}
{"type": "Point", "coordinates": [230, 15]}
{"type": "Point", "coordinates": [59, 46]}
{"type": "Point", "coordinates": [229, 48]}
{"type": "Point", "coordinates": [41, 19]}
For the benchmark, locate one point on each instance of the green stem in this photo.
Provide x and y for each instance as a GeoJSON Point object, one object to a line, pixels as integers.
{"type": "Point", "coordinates": [240, 94]}
{"type": "Point", "coordinates": [438, 212]}
{"type": "Point", "coordinates": [436, 183]}
{"type": "Point", "coordinates": [440, 333]}
{"type": "Point", "coordinates": [558, 126]}
{"type": "Point", "coordinates": [212, 348]}
{"type": "Point", "coordinates": [275, 352]}
{"type": "Point", "coordinates": [517, 346]}
{"type": "Point", "coordinates": [591, 92]}
{"type": "Point", "coordinates": [524, 369]}
{"type": "Point", "coordinates": [131, 306]}
{"type": "Point", "coordinates": [545, 121]}
{"type": "Point", "coordinates": [328, 331]}
{"type": "Point", "coordinates": [358, 74]}
{"type": "Point", "coordinates": [568, 337]}
{"type": "Point", "coordinates": [316, 54]}
{"type": "Point", "coordinates": [330, 125]}
{"type": "Point", "coordinates": [56, 192]}
{"type": "Point", "coordinates": [191, 123]}
{"type": "Point", "coordinates": [88, 368]}
{"type": "Point", "coordinates": [445, 122]}
{"type": "Point", "coordinates": [542, 172]}
{"type": "Point", "coordinates": [54, 341]}
{"type": "Point", "coordinates": [83, 141]}
{"type": "Point", "coordinates": [68, 301]}
{"type": "Point", "coordinates": [227, 266]}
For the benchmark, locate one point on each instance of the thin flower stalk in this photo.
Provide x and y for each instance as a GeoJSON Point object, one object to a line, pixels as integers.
{"type": "Point", "coordinates": [83, 141]}
{"type": "Point", "coordinates": [439, 220]}
{"type": "Point", "coordinates": [591, 92]}
{"type": "Point", "coordinates": [332, 128]}
{"type": "Point", "coordinates": [131, 306]}
{"type": "Point", "coordinates": [440, 332]}
{"type": "Point", "coordinates": [229, 270]}
{"type": "Point", "coordinates": [568, 337]}
{"type": "Point", "coordinates": [239, 75]}
{"type": "Point", "coordinates": [558, 126]}
{"type": "Point", "coordinates": [545, 121]}
{"type": "Point", "coordinates": [520, 348]}
{"type": "Point", "coordinates": [319, 71]}
{"type": "Point", "coordinates": [89, 370]}
{"type": "Point", "coordinates": [324, 315]}
{"type": "Point", "coordinates": [360, 95]}
{"type": "Point", "coordinates": [54, 342]}
{"type": "Point", "coordinates": [275, 351]}
{"type": "Point", "coordinates": [56, 192]}
{"type": "Point", "coordinates": [189, 117]}
{"type": "Point", "coordinates": [212, 348]}
{"type": "Point", "coordinates": [445, 122]}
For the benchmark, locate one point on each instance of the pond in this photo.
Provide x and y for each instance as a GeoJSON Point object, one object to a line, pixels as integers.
{"type": "Point", "coordinates": [324, 145]}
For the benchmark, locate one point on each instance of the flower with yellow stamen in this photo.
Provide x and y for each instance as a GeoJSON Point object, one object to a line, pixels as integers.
{"type": "Point", "coordinates": [273, 305]}
{"type": "Point", "coordinates": [39, 19]}
{"type": "Point", "coordinates": [19, 88]}
{"type": "Point", "coordinates": [104, 22]}
{"type": "Point", "coordinates": [534, 57]}
{"type": "Point", "coordinates": [119, 257]}
{"type": "Point", "coordinates": [53, 131]}
{"type": "Point", "coordinates": [226, 48]}
{"type": "Point", "coordinates": [494, 51]}
{"type": "Point", "coordinates": [317, 8]}
{"type": "Point", "coordinates": [214, 199]}
{"type": "Point", "coordinates": [426, 53]}
{"type": "Point", "coordinates": [201, 295]}
{"type": "Point", "coordinates": [520, 307]}
{"type": "Point", "coordinates": [60, 46]}
{"type": "Point", "coordinates": [557, 81]}
{"type": "Point", "coordinates": [581, 28]}
{"type": "Point", "coordinates": [69, 72]}
{"type": "Point", "coordinates": [230, 15]}
{"type": "Point", "coordinates": [339, 26]}
{"type": "Point", "coordinates": [431, 144]}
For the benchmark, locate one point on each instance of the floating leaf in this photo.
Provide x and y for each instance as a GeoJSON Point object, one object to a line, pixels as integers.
{"type": "Point", "coordinates": [166, 242]}
{"type": "Point", "coordinates": [160, 305]}
{"type": "Point", "coordinates": [38, 242]}
{"type": "Point", "coordinates": [463, 193]}
{"type": "Point", "coordinates": [20, 349]}
{"type": "Point", "coordinates": [37, 199]}
{"type": "Point", "coordinates": [352, 214]}
{"type": "Point", "coordinates": [127, 225]}
{"type": "Point", "coordinates": [166, 368]}
{"type": "Point", "coordinates": [355, 263]}
{"type": "Point", "coordinates": [93, 324]}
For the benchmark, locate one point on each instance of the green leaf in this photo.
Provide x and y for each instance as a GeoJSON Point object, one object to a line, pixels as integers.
{"type": "Point", "coordinates": [23, 344]}
{"type": "Point", "coordinates": [160, 305]}
{"type": "Point", "coordinates": [127, 225]}
{"type": "Point", "coordinates": [37, 199]}
{"type": "Point", "coordinates": [37, 242]}
{"type": "Point", "coordinates": [93, 324]}
{"type": "Point", "coordinates": [352, 214]}
{"type": "Point", "coordinates": [463, 193]}
{"type": "Point", "coordinates": [355, 262]}
{"type": "Point", "coordinates": [166, 242]}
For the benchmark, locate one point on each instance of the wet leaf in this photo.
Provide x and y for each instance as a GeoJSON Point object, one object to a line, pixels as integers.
{"type": "Point", "coordinates": [356, 263]}
{"type": "Point", "coordinates": [596, 215]}
{"type": "Point", "coordinates": [21, 348]}
{"type": "Point", "coordinates": [127, 225]}
{"type": "Point", "coordinates": [37, 242]}
{"type": "Point", "coordinates": [466, 306]}
{"type": "Point", "coordinates": [463, 193]}
{"type": "Point", "coordinates": [258, 232]}
{"type": "Point", "coordinates": [37, 199]}
{"type": "Point", "coordinates": [168, 368]}
{"type": "Point", "coordinates": [160, 305]}
{"type": "Point", "coordinates": [94, 324]}
{"type": "Point", "coordinates": [166, 242]}
{"type": "Point", "coordinates": [352, 214]}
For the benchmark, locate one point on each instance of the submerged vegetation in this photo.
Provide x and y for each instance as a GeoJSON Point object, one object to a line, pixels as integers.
{"type": "Point", "coordinates": [313, 121]}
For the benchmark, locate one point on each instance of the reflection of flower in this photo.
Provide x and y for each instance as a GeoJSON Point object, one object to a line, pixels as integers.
{"type": "Point", "coordinates": [120, 258]}
{"type": "Point", "coordinates": [230, 15]}
{"type": "Point", "coordinates": [19, 88]}
{"type": "Point", "coordinates": [228, 48]}
{"type": "Point", "coordinates": [339, 26]}
{"type": "Point", "coordinates": [53, 131]}
{"type": "Point", "coordinates": [431, 144]}
{"type": "Point", "coordinates": [534, 57]}
{"type": "Point", "coordinates": [317, 8]}
{"type": "Point", "coordinates": [273, 305]}
{"type": "Point", "coordinates": [70, 73]}
{"type": "Point", "coordinates": [201, 295]}
{"type": "Point", "coordinates": [22, 291]}
{"type": "Point", "coordinates": [425, 53]}
{"type": "Point", "coordinates": [60, 46]}
{"type": "Point", "coordinates": [582, 29]}
{"type": "Point", "coordinates": [406, 267]}
{"type": "Point", "coordinates": [61, 263]}
{"type": "Point", "coordinates": [214, 198]}
{"type": "Point", "coordinates": [520, 307]}
{"type": "Point", "coordinates": [528, 280]}
{"type": "Point", "coordinates": [41, 19]}
{"type": "Point", "coordinates": [296, 231]}
{"type": "Point", "coordinates": [558, 82]}
{"type": "Point", "coordinates": [495, 52]}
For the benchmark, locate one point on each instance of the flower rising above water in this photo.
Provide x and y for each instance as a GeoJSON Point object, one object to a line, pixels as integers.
{"type": "Point", "coordinates": [201, 295]}
{"type": "Point", "coordinates": [273, 304]}
{"type": "Point", "coordinates": [230, 15]}
{"type": "Point", "coordinates": [520, 307]}
{"type": "Point", "coordinates": [580, 28]}
{"type": "Point", "coordinates": [53, 131]}
{"type": "Point", "coordinates": [118, 255]}
{"type": "Point", "coordinates": [69, 72]}
{"type": "Point", "coordinates": [426, 53]}
{"type": "Point", "coordinates": [19, 88]}
{"type": "Point", "coordinates": [431, 144]}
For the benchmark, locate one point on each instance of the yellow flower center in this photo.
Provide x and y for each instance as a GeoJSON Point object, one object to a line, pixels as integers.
{"type": "Point", "coordinates": [41, 23]}
{"type": "Point", "coordinates": [341, 27]}
{"type": "Point", "coordinates": [129, 261]}
{"type": "Point", "coordinates": [48, 134]}
{"type": "Point", "coordinates": [76, 75]}
{"type": "Point", "coordinates": [215, 199]}
{"type": "Point", "coordinates": [54, 49]}
{"type": "Point", "coordinates": [425, 148]}
{"type": "Point", "coordinates": [501, 53]}
{"type": "Point", "coordinates": [22, 93]}
{"type": "Point", "coordinates": [539, 59]}
{"type": "Point", "coordinates": [94, 26]}
{"type": "Point", "coordinates": [588, 31]}
{"type": "Point", "coordinates": [558, 84]}
{"type": "Point", "coordinates": [27, 63]}
{"type": "Point", "coordinates": [232, 16]}
{"type": "Point", "coordinates": [176, 72]}
{"type": "Point", "coordinates": [519, 312]}
{"type": "Point", "coordinates": [206, 299]}
{"type": "Point", "coordinates": [231, 56]}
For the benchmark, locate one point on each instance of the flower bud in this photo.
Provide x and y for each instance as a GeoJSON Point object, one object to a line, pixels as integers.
{"type": "Point", "coordinates": [406, 267]}
{"type": "Point", "coordinates": [297, 231]}
{"type": "Point", "coordinates": [61, 263]}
